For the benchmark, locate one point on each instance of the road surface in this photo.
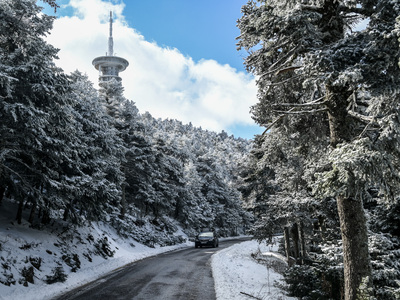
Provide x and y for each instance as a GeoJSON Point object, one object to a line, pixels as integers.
{"type": "Point", "coordinates": [183, 274]}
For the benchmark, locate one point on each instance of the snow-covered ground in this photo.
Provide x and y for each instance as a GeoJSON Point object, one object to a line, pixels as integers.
{"type": "Point", "coordinates": [49, 248]}
{"type": "Point", "coordinates": [234, 269]}
{"type": "Point", "coordinates": [238, 275]}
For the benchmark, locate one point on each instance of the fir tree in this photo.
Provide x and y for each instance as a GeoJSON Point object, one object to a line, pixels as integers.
{"type": "Point", "coordinates": [329, 95]}
{"type": "Point", "coordinates": [31, 101]}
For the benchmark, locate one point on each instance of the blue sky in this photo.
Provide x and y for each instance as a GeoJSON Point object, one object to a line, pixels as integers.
{"type": "Point", "coordinates": [203, 29]}
{"type": "Point", "coordinates": [183, 59]}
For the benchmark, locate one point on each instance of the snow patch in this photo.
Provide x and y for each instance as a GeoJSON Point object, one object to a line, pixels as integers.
{"type": "Point", "coordinates": [238, 275]}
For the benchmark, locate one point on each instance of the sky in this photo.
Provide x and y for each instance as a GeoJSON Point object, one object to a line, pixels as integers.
{"type": "Point", "coordinates": [183, 61]}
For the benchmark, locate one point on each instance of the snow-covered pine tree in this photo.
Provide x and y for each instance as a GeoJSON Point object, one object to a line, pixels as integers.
{"type": "Point", "coordinates": [94, 172]}
{"type": "Point", "coordinates": [112, 99]}
{"type": "Point", "coordinates": [31, 89]}
{"type": "Point", "coordinates": [317, 74]}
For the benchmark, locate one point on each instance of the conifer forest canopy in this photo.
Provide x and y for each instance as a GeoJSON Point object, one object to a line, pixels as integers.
{"type": "Point", "coordinates": [329, 97]}
{"type": "Point", "coordinates": [73, 153]}
{"type": "Point", "coordinates": [325, 173]}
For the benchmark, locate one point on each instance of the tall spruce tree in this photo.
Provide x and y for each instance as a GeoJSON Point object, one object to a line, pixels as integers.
{"type": "Point", "coordinates": [332, 93]}
{"type": "Point", "coordinates": [93, 170]}
{"type": "Point", "coordinates": [112, 99]}
{"type": "Point", "coordinates": [31, 89]}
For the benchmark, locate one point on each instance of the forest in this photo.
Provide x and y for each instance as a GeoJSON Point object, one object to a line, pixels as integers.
{"type": "Point", "coordinates": [324, 174]}
{"type": "Point", "coordinates": [73, 153]}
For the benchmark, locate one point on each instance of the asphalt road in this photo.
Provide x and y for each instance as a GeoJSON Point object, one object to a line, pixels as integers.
{"type": "Point", "coordinates": [182, 274]}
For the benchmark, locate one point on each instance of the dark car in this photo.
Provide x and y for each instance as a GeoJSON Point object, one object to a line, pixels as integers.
{"type": "Point", "coordinates": [206, 239]}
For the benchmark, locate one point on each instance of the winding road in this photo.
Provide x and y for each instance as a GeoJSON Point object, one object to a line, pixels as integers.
{"type": "Point", "coordinates": [182, 274]}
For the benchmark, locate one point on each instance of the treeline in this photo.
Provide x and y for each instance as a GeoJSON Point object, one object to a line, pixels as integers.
{"type": "Point", "coordinates": [70, 152]}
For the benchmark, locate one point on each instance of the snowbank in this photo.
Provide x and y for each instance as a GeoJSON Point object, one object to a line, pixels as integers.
{"type": "Point", "coordinates": [20, 244]}
{"type": "Point", "coordinates": [237, 274]}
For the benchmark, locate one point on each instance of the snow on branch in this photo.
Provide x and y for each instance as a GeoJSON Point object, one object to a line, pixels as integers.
{"type": "Point", "coordinates": [341, 8]}
{"type": "Point", "coordinates": [288, 69]}
{"type": "Point", "coordinates": [313, 103]}
{"type": "Point", "coordinates": [298, 112]}
{"type": "Point", "coordinates": [360, 117]}
{"type": "Point", "coordinates": [291, 111]}
{"type": "Point", "coordinates": [283, 81]}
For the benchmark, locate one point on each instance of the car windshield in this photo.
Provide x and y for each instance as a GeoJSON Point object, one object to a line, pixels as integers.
{"type": "Point", "coordinates": [206, 234]}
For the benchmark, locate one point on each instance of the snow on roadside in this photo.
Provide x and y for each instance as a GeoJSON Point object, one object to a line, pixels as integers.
{"type": "Point", "coordinates": [43, 243]}
{"type": "Point", "coordinates": [234, 270]}
{"type": "Point", "coordinates": [236, 273]}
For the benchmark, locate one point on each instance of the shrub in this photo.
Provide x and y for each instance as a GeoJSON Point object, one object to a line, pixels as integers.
{"type": "Point", "coordinates": [314, 282]}
{"type": "Point", "coordinates": [58, 276]}
{"type": "Point", "coordinates": [27, 275]}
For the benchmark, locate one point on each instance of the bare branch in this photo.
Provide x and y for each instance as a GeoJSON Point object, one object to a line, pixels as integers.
{"type": "Point", "coordinates": [366, 129]}
{"type": "Point", "coordinates": [251, 296]}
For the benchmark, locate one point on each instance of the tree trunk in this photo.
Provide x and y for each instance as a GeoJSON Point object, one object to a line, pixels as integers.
{"type": "Point", "coordinates": [300, 227]}
{"type": "Point", "coordinates": [33, 211]}
{"type": "Point", "coordinates": [46, 217]}
{"type": "Point", "coordinates": [2, 191]}
{"type": "Point", "coordinates": [295, 237]}
{"type": "Point", "coordinates": [123, 203]}
{"type": "Point", "coordinates": [357, 269]}
{"type": "Point", "coordinates": [66, 213]}
{"type": "Point", "coordinates": [286, 235]}
{"type": "Point", "coordinates": [19, 211]}
{"type": "Point", "coordinates": [339, 126]}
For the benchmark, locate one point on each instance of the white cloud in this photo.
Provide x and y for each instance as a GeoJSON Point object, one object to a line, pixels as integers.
{"type": "Point", "coordinates": [160, 80]}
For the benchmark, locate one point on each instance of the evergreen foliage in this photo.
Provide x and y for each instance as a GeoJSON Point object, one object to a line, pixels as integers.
{"type": "Point", "coordinates": [70, 152]}
{"type": "Point", "coordinates": [329, 99]}
{"type": "Point", "coordinates": [32, 101]}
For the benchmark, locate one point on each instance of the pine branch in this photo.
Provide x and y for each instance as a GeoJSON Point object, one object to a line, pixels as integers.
{"type": "Point", "coordinates": [275, 121]}
{"type": "Point", "coordinates": [313, 103]}
{"type": "Point", "coordinates": [291, 111]}
{"type": "Point", "coordinates": [301, 112]}
{"type": "Point", "coordinates": [360, 117]}
{"type": "Point", "coordinates": [288, 69]}
{"type": "Point", "coordinates": [288, 57]}
{"type": "Point", "coordinates": [341, 8]}
{"type": "Point", "coordinates": [283, 81]}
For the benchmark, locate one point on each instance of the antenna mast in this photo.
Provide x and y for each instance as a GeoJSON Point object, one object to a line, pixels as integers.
{"type": "Point", "coordinates": [110, 39]}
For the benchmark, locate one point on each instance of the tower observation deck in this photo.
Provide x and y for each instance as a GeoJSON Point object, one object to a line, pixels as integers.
{"type": "Point", "coordinates": [109, 65]}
